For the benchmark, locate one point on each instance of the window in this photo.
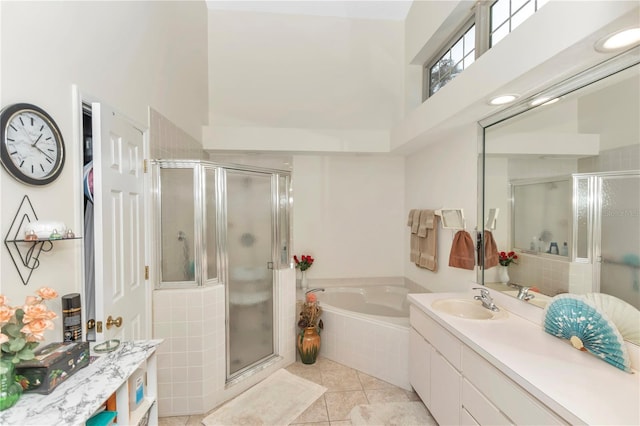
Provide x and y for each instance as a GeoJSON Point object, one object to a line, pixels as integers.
{"type": "Point", "coordinates": [453, 61]}
{"type": "Point", "coordinates": [489, 23]}
{"type": "Point", "coordinates": [506, 15]}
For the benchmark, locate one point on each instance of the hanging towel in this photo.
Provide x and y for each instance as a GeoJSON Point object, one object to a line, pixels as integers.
{"type": "Point", "coordinates": [426, 222]}
{"type": "Point", "coordinates": [491, 255]}
{"type": "Point", "coordinates": [462, 251]}
{"type": "Point", "coordinates": [414, 217]}
{"type": "Point", "coordinates": [410, 219]}
{"type": "Point", "coordinates": [416, 221]}
{"type": "Point", "coordinates": [428, 245]}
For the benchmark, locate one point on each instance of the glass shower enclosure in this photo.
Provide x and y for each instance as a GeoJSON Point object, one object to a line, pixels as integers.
{"type": "Point", "coordinates": [226, 225]}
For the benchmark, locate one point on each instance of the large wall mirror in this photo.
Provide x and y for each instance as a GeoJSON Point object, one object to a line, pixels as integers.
{"type": "Point", "coordinates": [565, 176]}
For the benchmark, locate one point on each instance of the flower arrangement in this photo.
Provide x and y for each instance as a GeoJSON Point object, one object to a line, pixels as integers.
{"type": "Point", "coordinates": [22, 327]}
{"type": "Point", "coordinates": [304, 262]}
{"type": "Point", "coordinates": [310, 313]}
{"type": "Point", "coordinates": [506, 259]}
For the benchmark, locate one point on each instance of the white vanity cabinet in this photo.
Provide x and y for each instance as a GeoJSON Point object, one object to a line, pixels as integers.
{"type": "Point", "coordinates": [458, 386]}
{"type": "Point", "coordinates": [434, 363]}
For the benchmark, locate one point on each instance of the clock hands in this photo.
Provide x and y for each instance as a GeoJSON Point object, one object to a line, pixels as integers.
{"type": "Point", "coordinates": [33, 143]}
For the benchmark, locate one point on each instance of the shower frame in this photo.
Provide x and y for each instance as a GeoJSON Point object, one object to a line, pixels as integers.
{"type": "Point", "coordinates": [281, 204]}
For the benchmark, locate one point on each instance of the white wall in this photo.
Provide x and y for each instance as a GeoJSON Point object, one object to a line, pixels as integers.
{"type": "Point", "coordinates": [303, 83]}
{"type": "Point", "coordinates": [443, 176]}
{"type": "Point", "coordinates": [131, 55]}
{"type": "Point", "coordinates": [349, 214]}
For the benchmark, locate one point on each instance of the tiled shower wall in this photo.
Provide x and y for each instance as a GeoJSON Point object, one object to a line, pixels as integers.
{"type": "Point", "coordinates": [191, 322]}
{"type": "Point", "coordinates": [192, 359]}
{"type": "Point", "coordinates": [167, 141]}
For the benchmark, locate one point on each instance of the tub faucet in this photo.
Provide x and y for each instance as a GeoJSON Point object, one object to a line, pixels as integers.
{"type": "Point", "coordinates": [313, 290]}
{"type": "Point", "coordinates": [486, 299]}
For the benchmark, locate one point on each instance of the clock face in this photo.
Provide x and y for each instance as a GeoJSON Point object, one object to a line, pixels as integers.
{"type": "Point", "coordinates": [32, 146]}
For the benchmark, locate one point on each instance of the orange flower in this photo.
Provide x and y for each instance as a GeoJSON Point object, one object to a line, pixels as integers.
{"type": "Point", "coordinates": [32, 300]}
{"type": "Point", "coordinates": [47, 293]}
{"type": "Point", "coordinates": [311, 297]}
{"type": "Point", "coordinates": [39, 311]}
{"type": "Point", "coordinates": [3, 338]}
{"type": "Point", "coordinates": [35, 329]}
{"type": "Point", "coordinates": [6, 313]}
{"type": "Point", "coordinates": [3, 300]}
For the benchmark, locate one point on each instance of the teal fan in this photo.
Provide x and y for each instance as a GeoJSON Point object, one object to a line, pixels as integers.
{"type": "Point", "coordinates": [587, 327]}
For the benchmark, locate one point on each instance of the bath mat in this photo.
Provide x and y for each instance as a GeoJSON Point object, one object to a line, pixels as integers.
{"type": "Point", "coordinates": [277, 400]}
{"type": "Point", "coordinates": [392, 414]}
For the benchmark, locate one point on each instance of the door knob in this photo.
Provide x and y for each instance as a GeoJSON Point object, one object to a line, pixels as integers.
{"type": "Point", "coordinates": [91, 324]}
{"type": "Point", "coordinates": [111, 322]}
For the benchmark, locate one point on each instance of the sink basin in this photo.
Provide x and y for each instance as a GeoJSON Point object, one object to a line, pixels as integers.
{"type": "Point", "coordinates": [468, 309]}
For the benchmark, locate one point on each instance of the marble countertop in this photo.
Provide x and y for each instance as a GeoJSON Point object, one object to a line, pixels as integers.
{"type": "Point", "coordinates": [576, 385]}
{"type": "Point", "coordinates": [78, 397]}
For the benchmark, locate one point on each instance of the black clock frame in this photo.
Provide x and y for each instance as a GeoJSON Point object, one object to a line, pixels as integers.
{"type": "Point", "coordinates": [5, 116]}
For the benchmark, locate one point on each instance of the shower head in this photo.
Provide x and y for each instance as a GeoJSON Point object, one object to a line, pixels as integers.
{"type": "Point", "coordinates": [181, 236]}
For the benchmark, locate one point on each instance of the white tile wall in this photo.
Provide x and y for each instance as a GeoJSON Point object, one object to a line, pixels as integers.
{"type": "Point", "coordinates": [191, 361]}
{"type": "Point", "coordinates": [168, 141]}
{"type": "Point", "coordinates": [552, 276]}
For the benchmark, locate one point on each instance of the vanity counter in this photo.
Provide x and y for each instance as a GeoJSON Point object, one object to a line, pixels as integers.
{"type": "Point", "coordinates": [577, 386]}
{"type": "Point", "coordinates": [78, 397]}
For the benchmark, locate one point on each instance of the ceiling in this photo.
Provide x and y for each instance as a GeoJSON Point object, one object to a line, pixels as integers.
{"type": "Point", "coordinates": [395, 10]}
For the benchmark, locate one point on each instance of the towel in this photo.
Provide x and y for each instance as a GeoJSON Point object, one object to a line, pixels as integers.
{"type": "Point", "coordinates": [491, 255]}
{"type": "Point", "coordinates": [462, 251]}
{"type": "Point", "coordinates": [410, 219]}
{"type": "Point", "coordinates": [427, 218]}
{"type": "Point", "coordinates": [414, 217]}
{"type": "Point", "coordinates": [416, 221]}
{"type": "Point", "coordinates": [428, 245]}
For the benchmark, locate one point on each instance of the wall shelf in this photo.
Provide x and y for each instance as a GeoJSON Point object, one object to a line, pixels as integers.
{"type": "Point", "coordinates": [27, 251]}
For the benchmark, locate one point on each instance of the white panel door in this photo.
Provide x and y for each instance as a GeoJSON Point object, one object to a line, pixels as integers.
{"type": "Point", "coordinates": [121, 289]}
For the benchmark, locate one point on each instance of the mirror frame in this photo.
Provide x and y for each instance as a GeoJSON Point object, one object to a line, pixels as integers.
{"type": "Point", "coordinates": [618, 63]}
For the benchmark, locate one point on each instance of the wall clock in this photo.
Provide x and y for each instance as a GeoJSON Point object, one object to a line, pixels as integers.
{"type": "Point", "coordinates": [32, 149]}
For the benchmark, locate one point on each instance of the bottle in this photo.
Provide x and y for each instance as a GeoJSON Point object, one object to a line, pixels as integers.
{"type": "Point", "coordinates": [565, 249]}
{"type": "Point", "coordinates": [71, 318]}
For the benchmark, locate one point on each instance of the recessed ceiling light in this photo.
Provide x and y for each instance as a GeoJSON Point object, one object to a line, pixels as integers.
{"type": "Point", "coordinates": [618, 40]}
{"type": "Point", "coordinates": [503, 99]}
{"type": "Point", "coordinates": [544, 100]}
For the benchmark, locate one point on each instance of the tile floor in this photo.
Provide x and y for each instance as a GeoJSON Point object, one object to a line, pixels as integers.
{"type": "Point", "coordinates": [346, 388]}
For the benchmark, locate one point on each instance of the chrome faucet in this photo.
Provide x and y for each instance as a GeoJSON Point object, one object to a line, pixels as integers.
{"type": "Point", "coordinates": [486, 299]}
{"type": "Point", "coordinates": [313, 290]}
{"type": "Point", "coordinates": [523, 292]}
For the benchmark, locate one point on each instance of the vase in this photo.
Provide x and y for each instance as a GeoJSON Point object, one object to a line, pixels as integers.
{"type": "Point", "coordinates": [503, 274]}
{"type": "Point", "coordinates": [309, 345]}
{"type": "Point", "coordinates": [303, 281]}
{"type": "Point", "coordinates": [10, 390]}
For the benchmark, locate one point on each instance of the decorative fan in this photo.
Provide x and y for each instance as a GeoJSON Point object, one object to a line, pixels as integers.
{"type": "Point", "coordinates": [575, 318]}
{"type": "Point", "coordinates": [625, 316]}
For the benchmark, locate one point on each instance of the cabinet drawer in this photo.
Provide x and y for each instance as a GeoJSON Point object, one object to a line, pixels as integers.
{"type": "Point", "coordinates": [507, 396]}
{"type": "Point", "coordinates": [480, 408]}
{"type": "Point", "coordinates": [443, 341]}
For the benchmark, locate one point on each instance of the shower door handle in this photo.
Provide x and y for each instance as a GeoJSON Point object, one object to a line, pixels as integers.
{"type": "Point", "coordinates": [269, 265]}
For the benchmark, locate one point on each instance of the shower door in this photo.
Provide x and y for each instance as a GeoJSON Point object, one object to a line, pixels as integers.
{"type": "Point", "coordinates": [250, 254]}
{"type": "Point", "coordinates": [619, 248]}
